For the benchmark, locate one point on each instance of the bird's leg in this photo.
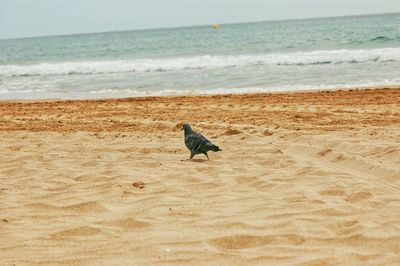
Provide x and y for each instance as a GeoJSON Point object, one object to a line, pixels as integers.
{"type": "Point", "coordinates": [206, 155]}
{"type": "Point", "coordinates": [191, 155]}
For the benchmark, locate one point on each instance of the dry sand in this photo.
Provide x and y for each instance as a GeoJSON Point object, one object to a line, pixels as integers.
{"type": "Point", "coordinates": [303, 179]}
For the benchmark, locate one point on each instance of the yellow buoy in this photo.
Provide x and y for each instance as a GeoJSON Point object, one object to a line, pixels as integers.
{"type": "Point", "coordinates": [216, 26]}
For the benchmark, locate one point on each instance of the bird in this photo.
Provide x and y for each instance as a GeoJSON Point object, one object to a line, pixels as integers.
{"type": "Point", "coordinates": [197, 143]}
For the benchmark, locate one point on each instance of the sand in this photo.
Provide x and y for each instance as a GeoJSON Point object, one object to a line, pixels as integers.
{"type": "Point", "coordinates": [303, 179]}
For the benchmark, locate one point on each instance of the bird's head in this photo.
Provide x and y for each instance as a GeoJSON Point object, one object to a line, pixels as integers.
{"type": "Point", "coordinates": [186, 127]}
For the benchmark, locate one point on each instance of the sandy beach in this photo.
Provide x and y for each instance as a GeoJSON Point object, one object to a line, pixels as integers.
{"type": "Point", "coordinates": [308, 178]}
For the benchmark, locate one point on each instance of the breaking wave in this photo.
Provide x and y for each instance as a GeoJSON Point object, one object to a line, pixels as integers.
{"type": "Point", "coordinates": [320, 57]}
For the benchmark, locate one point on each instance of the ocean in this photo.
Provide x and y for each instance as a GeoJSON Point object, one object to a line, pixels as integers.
{"type": "Point", "coordinates": [325, 53]}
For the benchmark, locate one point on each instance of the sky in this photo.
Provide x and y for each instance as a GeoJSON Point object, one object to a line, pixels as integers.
{"type": "Point", "coordinates": [27, 18]}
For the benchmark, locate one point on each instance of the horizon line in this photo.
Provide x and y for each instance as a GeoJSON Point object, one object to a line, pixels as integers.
{"type": "Point", "coordinates": [193, 26]}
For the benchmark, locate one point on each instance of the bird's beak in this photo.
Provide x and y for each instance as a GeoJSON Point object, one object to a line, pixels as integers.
{"type": "Point", "coordinates": [182, 128]}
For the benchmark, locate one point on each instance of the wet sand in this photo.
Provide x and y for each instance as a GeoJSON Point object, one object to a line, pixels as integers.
{"type": "Point", "coordinates": [303, 179]}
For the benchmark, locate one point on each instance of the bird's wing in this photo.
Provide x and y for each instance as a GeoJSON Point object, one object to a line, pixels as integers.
{"type": "Point", "coordinates": [190, 141]}
{"type": "Point", "coordinates": [205, 141]}
{"type": "Point", "coordinates": [207, 146]}
{"type": "Point", "coordinates": [195, 142]}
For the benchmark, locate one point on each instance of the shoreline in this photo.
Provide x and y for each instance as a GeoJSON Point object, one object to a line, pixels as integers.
{"type": "Point", "coordinates": [316, 90]}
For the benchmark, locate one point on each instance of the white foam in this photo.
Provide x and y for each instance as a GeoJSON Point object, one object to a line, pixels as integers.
{"type": "Point", "coordinates": [202, 62]}
{"type": "Point", "coordinates": [216, 91]}
{"type": "Point", "coordinates": [132, 92]}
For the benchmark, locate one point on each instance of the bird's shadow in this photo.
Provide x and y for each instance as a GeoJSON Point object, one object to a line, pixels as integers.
{"type": "Point", "coordinates": [195, 160]}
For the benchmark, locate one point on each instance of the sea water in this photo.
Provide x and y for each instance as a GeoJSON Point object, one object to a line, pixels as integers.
{"type": "Point", "coordinates": [269, 56]}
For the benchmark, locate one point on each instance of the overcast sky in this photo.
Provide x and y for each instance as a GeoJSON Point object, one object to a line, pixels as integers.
{"type": "Point", "coordinates": [23, 18]}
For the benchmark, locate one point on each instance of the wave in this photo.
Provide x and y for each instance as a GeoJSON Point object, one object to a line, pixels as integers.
{"type": "Point", "coordinates": [320, 57]}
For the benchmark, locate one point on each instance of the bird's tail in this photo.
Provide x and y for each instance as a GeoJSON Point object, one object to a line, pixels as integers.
{"type": "Point", "coordinates": [216, 148]}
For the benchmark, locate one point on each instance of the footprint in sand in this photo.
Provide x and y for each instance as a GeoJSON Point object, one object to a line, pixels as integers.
{"type": "Point", "coordinates": [86, 207]}
{"type": "Point", "coordinates": [139, 185]}
{"type": "Point", "coordinates": [126, 224]}
{"type": "Point", "coordinates": [76, 232]}
{"type": "Point", "coordinates": [231, 132]}
{"type": "Point", "coordinates": [332, 192]}
{"type": "Point", "coordinates": [359, 196]}
{"type": "Point", "coordinates": [248, 241]}
{"type": "Point", "coordinates": [324, 152]}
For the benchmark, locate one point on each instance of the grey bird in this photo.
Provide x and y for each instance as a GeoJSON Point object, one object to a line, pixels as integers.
{"type": "Point", "coordinates": [197, 143]}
